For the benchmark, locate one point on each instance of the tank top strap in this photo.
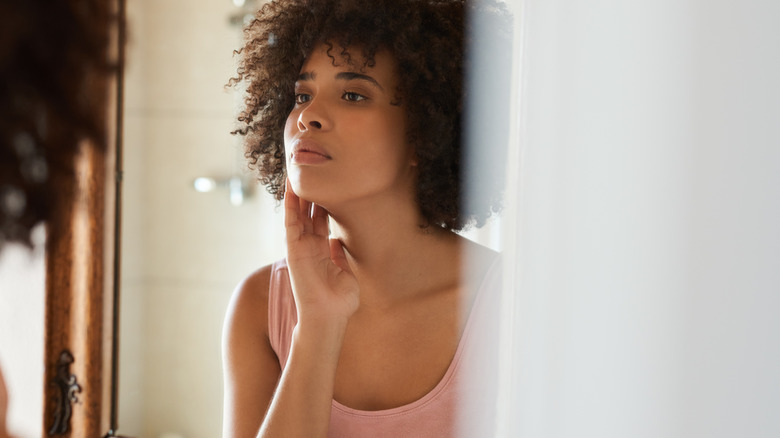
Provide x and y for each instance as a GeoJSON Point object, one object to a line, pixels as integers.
{"type": "Point", "coordinates": [282, 314]}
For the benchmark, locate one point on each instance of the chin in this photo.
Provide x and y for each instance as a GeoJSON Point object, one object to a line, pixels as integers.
{"type": "Point", "coordinates": [308, 187]}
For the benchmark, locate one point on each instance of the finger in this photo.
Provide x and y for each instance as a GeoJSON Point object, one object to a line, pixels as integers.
{"type": "Point", "coordinates": [304, 207]}
{"type": "Point", "coordinates": [338, 255]}
{"type": "Point", "coordinates": [291, 207]}
{"type": "Point", "coordinates": [320, 221]}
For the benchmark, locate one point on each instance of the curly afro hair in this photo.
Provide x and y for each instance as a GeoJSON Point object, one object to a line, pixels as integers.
{"type": "Point", "coordinates": [426, 37]}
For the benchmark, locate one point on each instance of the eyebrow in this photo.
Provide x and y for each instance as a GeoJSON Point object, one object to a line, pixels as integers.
{"type": "Point", "coordinates": [344, 76]}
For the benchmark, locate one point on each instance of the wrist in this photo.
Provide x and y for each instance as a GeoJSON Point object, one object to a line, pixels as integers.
{"type": "Point", "coordinates": [320, 339]}
{"type": "Point", "coordinates": [320, 327]}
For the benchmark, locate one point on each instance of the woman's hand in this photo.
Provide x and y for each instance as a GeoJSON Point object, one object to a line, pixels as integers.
{"type": "Point", "coordinates": [322, 281]}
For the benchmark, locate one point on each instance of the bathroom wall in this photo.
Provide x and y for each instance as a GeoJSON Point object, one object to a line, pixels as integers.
{"type": "Point", "coordinates": [183, 251]}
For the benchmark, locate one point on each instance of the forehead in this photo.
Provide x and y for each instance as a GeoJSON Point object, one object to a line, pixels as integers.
{"type": "Point", "coordinates": [328, 57]}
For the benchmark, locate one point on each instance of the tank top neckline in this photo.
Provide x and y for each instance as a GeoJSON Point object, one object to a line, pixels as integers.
{"type": "Point", "coordinates": [449, 375]}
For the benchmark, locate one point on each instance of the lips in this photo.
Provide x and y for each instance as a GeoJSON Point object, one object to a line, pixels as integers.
{"type": "Point", "coordinates": [306, 151]}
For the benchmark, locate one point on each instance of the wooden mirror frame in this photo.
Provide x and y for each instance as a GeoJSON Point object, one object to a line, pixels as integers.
{"type": "Point", "coordinates": [82, 243]}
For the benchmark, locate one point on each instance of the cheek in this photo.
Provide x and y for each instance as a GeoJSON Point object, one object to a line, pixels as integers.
{"type": "Point", "coordinates": [289, 133]}
{"type": "Point", "coordinates": [289, 125]}
{"type": "Point", "coordinates": [393, 129]}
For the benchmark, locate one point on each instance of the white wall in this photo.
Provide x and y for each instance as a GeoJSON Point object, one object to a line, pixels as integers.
{"type": "Point", "coordinates": [22, 292]}
{"type": "Point", "coordinates": [645, 251]}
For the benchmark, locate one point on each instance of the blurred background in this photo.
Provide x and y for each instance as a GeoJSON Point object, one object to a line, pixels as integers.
{"type": "Point", "coordinates": [183, 250]}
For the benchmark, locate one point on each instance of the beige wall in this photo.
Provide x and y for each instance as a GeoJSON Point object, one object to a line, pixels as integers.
{"type": "Point", "coordinates": [183, 251]}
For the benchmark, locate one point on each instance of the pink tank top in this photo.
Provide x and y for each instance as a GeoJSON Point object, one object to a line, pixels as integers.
{"type": "Point", "coordinates": [435, 414]}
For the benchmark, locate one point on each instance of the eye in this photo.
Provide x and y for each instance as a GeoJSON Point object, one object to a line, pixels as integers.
{"type": "Point", "coordinates": [353, 97]}
{"type": "Point", "coordinates": [301, 98]}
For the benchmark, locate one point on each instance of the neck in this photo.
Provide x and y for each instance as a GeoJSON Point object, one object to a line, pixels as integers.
{"type": "Point", "coordinates": [389, 251]}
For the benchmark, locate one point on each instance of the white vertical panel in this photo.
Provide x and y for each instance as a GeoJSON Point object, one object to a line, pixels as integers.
{"type": "Point", "coordinates": [647, 251]}
{"type": "Point", "coordinates": [22, 304]}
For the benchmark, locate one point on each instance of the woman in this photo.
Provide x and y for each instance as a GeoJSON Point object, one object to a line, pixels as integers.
{"type": "Point", "coordinates": [353, 116]}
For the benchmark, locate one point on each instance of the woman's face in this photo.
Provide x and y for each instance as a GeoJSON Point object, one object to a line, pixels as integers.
{"type": "Point", "coordinates": [344, 139]}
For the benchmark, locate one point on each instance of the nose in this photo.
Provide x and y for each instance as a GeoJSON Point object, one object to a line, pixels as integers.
{"type": "Point", "coordinates": [312, 118]}
{"type": "Point", "coordinates": [314, 124]}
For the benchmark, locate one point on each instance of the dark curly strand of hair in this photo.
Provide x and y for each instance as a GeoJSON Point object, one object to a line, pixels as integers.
{"type": "Point", "coordinates": [426, 37]}
{"type": "Point", "coordinates": [49, 53]}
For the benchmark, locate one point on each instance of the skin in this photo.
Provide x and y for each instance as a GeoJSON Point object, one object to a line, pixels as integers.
{"type": "Point", "coordinates": [3, 407]}
{"type": "Point", "coordinates": [378, 292]}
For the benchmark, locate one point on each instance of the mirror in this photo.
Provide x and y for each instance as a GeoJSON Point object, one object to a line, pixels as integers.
{"type": "Point", "coordinates": [183, 251]}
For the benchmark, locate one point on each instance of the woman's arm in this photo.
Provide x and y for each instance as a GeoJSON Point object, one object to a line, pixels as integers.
{"type": "Point", "coordinates": [250, 366]}
{"type": "Point", "coordinates": [326, 295]}
{"type": "Point", "coordinates": [302, 404]}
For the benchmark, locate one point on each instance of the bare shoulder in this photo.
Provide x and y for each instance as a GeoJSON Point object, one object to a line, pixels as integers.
{"type": "Point", "coordinates": [255, 286]}
{"type": "Point", "coordinates": [251, 368]}
{"type": "Point", "coordinates": [247, 314]}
